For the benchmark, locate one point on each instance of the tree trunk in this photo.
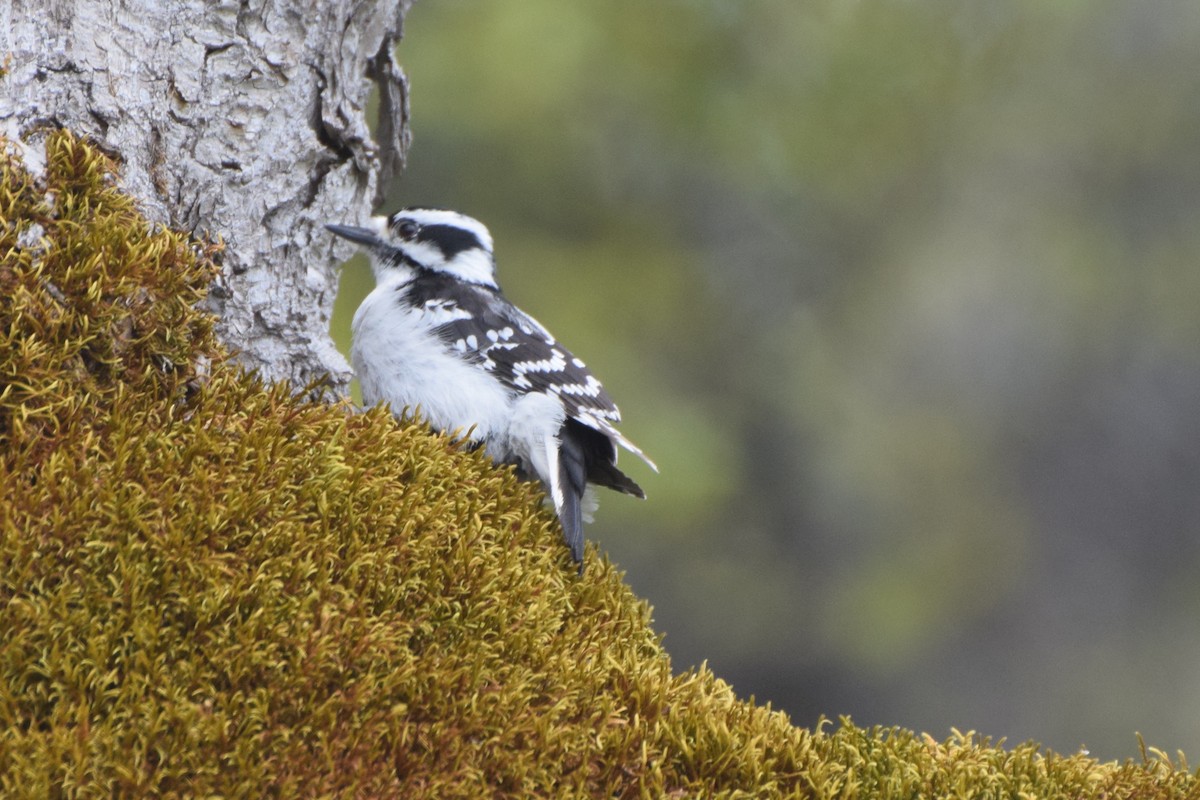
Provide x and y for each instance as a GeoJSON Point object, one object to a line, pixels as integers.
{"type": "Point", "coordinates": [244, 120]}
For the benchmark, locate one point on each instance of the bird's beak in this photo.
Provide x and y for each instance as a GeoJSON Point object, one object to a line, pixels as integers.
{"type": "Point", "coordinates": [363, 236]}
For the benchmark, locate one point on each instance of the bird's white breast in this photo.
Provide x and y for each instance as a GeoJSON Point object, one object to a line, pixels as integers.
{"type": "Point", "coordinates": [400, 360]}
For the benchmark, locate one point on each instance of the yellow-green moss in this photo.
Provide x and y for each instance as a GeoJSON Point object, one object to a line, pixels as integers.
{"type": "Point", "coordinates": [209, 587]}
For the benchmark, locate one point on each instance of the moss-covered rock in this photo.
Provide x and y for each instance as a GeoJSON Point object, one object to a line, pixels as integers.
{"type": "Point", "coordinates": [210, 587]}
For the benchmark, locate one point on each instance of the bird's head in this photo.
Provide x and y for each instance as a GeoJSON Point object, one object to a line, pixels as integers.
{"type": "Point", "coordinates": [432, 239]}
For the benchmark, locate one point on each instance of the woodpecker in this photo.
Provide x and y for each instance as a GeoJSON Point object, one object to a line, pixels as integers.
{"type": "Point", "coordinates": [436, 336]}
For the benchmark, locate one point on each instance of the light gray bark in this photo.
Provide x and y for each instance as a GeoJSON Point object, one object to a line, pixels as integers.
{"type": "Point", "coordinates": [239, 119]}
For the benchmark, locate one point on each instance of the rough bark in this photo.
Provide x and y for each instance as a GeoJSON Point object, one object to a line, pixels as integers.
{"type": "Point", "coordinates": [244, 120]}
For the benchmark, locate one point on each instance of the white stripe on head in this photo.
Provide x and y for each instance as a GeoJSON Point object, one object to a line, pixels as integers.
{"type": "Point", "coordinates": [439, 240]}
{"type": "Point", "coordinates": [442, 216]}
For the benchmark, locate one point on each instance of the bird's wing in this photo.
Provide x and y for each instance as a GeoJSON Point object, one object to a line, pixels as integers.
{"type": "Point", "coordinates": [486, 329]}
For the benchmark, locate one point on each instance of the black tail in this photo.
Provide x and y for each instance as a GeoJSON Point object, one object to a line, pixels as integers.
{"type": "Point", "coordinates": [585, 454]}
{"type": "Point", "coordinates": [607, 475]}
{"type": "Point", "coordinates": [572, 479]}
{"type": "Point", "coordinates": [600, 459]}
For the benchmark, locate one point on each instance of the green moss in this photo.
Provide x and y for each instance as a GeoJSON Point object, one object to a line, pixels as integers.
{"type": "Point", "coordinates": [209, 587]}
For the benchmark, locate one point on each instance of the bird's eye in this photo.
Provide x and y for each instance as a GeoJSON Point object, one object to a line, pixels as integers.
{"type": "Point", "coordinates": [408, 229]}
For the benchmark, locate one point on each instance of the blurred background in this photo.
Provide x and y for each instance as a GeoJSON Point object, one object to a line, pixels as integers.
{"type": "Point", "coordinates": [903, 297]}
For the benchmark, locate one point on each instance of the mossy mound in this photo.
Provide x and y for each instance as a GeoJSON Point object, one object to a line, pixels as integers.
{"type": "Point", "coordinates": [210, 587]}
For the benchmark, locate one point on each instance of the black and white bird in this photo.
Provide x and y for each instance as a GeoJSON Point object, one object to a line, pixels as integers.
{"type": "Point", "coordinates": [437, 337]}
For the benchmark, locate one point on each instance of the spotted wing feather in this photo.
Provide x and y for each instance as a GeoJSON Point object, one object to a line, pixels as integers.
{"type": "Point", "coordinates": [483, 327]}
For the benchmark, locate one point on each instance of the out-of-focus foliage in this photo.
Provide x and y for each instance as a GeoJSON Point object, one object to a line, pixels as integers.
{"type": "Point", "coordinates": [212, 588]}
{"type": "Point", "coordinates": [902, 296]}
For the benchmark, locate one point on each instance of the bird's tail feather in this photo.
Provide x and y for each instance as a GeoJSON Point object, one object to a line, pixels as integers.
{"type": "Point", "coordinates": [572, 483]}
{"type": "Point", "coordinates": [602, 473]}
{"type": "Point", "coordinates": [571, 516]}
